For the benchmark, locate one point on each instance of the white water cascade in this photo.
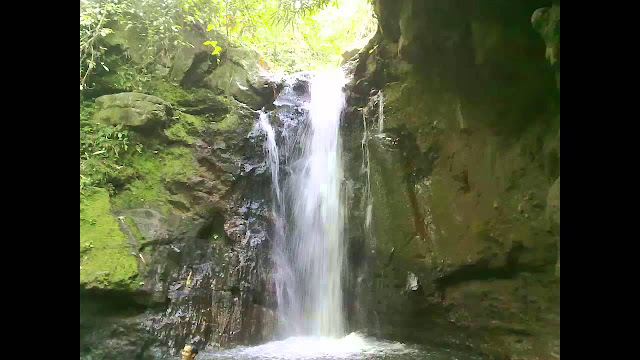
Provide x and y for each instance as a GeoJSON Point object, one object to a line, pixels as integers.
{"type": "Point", "coordinates": [304, 155]}
{"type": "Point", "coordinates": [308, 209]}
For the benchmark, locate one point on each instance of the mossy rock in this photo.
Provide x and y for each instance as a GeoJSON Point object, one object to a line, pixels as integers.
{"type": "Point", "coordinates": [241, 77]}
{"type": "Point", "coordinates": [155, 171]}
{"type": "Point", "coordinates": [231, 79]}
{"type": "Point", "coordinates": [172, 93]}
{"type": "Point", "coordinates": [132, 109]}
{"type": "Point", "coordinates": [106, 261]}
{"type": "Point", "coordinates": [185, 129]}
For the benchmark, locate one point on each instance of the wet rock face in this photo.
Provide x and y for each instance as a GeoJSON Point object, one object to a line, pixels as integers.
{"type": "Point", "coordinates": [204, 266]}
{"type": "Point", "coordinates": [219, 289]}
{"type": "Point", "coordinates": [463, 207]}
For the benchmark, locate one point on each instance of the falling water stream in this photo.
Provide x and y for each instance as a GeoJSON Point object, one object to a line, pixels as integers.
{"type": "Point", "coordinates": [308, 209]}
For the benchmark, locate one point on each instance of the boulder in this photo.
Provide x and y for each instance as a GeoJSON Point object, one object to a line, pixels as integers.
{"type": "Point", "coordinates": [242, 77]}
{"type": "Point", "coordinates": [132, 109]}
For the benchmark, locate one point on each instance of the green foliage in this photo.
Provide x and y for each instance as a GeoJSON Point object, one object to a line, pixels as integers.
{"type": "Point", "coordinates": [102, 150]}
{"type": "Point", "coordinates": [104, 141]}
{"type": "Point", "coordinates": [290, 10]}
{"type": "Point", "coordinates": [310, 38]}
{"type": "Point", "coordinates": [94, 18]}
{"type": "Point", "coordinates": [156, 22]}
{"type": "Point", "coordinates": [292, 35]}
{"type": "Point", "coordinates": [214, 44]}
{"type": "Point", "coordinates": [131, 78]}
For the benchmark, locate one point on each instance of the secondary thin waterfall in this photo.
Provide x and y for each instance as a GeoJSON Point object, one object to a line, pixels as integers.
{"type": "Point", "coordinates": [308, 207]}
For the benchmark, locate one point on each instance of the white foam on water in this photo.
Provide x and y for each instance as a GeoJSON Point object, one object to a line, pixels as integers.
{"type": "Point", "coordinates": [352, 346]}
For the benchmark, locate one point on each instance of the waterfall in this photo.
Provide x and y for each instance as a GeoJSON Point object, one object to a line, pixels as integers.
{"type": "Point", "coordinates": [304, 154]}
{"type": "Point", "coordinates": [308, 207]}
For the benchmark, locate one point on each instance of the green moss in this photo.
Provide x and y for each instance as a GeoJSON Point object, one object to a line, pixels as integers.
{"type": "Point", "coordinates": [230, 122]}
{"type": "Point", "coordinates": [414, 104]}
{"type": "Point", "coordinates": [186, 128]}
{"type": "Point", "coordinates": [154, 172]}
{"type": "Point", "coordinates": [175, 94]}
{"type": "Point", "coordinates": [167, 91]}
{"type": "Point", "coordinates": [105, 255]}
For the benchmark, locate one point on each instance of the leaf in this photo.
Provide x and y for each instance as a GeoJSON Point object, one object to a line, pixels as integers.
{"type": "Point", "coordinates": [209, 27]}
{"type": "Point", "coordinates": [216, 50]}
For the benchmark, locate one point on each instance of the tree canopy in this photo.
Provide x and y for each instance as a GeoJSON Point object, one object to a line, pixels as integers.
{"type": "Point", "coordinates": [291, 35]}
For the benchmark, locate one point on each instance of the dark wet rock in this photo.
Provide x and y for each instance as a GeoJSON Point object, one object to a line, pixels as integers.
{"type": "Point", "coordinates": [151, 224]}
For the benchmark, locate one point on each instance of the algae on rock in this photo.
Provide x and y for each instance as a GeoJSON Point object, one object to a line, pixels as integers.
{"type": "Point", "coordinates": [106, 259]}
